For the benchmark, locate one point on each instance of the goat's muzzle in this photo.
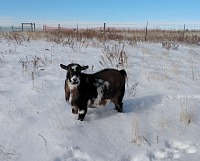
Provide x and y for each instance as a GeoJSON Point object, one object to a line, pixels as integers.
{"type": "Point", "coordinates": [75, 80]}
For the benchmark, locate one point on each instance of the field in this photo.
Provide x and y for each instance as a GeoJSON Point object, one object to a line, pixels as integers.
{"type": "Point", "coordinates": [161, 115]}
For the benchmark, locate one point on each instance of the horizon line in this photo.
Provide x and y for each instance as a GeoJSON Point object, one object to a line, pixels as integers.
{"type": "Point", "coordinates": [10, 21]}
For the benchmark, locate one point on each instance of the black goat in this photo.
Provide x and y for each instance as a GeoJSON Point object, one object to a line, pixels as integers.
{"type": "Point", "coordinates": [90, 90]}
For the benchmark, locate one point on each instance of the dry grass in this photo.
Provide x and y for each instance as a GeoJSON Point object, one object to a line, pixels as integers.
{"type": "Point", "coordinates": [186, 115]}
{"type": "Point", "coordinates": [114, 56]}
{"type": "Point", "coordinates": [32, 66]}
{"type": "Point", "coordinates": [130, 36]}
{"type": "Point", "coordinates": [138, 137]}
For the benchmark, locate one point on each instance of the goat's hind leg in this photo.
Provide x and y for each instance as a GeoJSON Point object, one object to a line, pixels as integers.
{"type": "Point", "coordinates": [118, 106]}
{"type": "Point", "coordinates": [118, 103]}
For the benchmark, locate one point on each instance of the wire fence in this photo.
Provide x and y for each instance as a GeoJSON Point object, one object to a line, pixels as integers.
{"type": "Point", "coordinates": [141, 26]}
{"type": "Point", "coordinates": [100, 26]}
{"type": "Point", "coordinates": [187, 33]}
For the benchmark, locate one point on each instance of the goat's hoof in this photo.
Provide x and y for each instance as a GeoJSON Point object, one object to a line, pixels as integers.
{"type": "Point", "coordinates": [119, 110]}
{"type": "Point", "coordinates": [74, 110]}
{"type": "Point", "coordinates": [81, 117]}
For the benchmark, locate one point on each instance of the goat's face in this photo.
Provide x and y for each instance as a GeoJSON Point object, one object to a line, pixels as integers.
{"type": "Point", "coordinates": [73, 72]}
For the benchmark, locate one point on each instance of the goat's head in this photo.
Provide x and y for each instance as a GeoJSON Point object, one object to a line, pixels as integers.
{"type": "Point", "coordinates": [73, 72]}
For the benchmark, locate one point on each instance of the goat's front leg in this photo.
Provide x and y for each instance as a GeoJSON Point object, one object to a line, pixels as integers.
{"type": "Point", "coordinates": [74, 110]}
{"type": "Point", "coordinates": [81, 114]}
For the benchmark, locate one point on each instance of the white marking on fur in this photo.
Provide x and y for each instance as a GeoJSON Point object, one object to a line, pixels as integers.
{"type": "Point", "coordinates": [99, 95]}
{"type": "Point", "coordinates": [100, 84]}
{"type": "Point", "coordinates": [74, 67]}
{"type": "Point", "coordinates": [107, 84]}
{"type": "Point", "coordinates": [100, 80]}
{"type": "Point", "coordinates": [70, 97]}
{"type": "Point", "coordinates": [73, 107]}
{"type": "Point", "coordinates": [71, 86]}
{"type": "Point", "coordinates": [108, 102]}
{"type": "Point", "coordinates": [89, 103]}
{"type": "Point", "coordinates": [75, 78]}
{"type": "Point", "coordinates": [81, 111]}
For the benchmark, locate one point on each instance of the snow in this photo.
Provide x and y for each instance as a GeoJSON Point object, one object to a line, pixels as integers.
{"type": "Point", "coordinates": [160, 121]}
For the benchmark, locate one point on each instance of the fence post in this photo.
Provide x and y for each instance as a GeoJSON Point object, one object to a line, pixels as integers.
{"type": "Point", "coordinates": [183, 32]}
{"type": "Point", "coordinates": [59, 27]}
{"type": "Point", "coordinates": [77, 31]}
{"type": "Point", "coordinates": [31, 26]}
{"type": "Point", "coordinates": [146, 32]}
{"type": "Point", "coordinates": [104, 31]}
{"type": "Point", "coordinates": [44, 28]}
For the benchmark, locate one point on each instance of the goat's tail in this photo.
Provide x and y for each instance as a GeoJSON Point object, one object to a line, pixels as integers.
{"type": "Point", "coordinates": [123, 72]}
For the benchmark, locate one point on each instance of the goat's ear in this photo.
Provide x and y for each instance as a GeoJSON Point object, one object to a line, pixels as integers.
{"type": "Point", "coordinates": [84, 67]}
{"type": "Point", "coordinates": [64, 66]}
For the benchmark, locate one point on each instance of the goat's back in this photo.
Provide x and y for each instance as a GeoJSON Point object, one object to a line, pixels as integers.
{"type": "Point", "coordinates": [114, 77]}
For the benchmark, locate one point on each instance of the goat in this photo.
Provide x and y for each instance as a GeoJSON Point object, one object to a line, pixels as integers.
{"type": "Point", "coordinates": [92, 90]}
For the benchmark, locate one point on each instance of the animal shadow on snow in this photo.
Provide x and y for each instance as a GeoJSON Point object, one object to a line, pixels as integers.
{"type": "Point", "coordinates": [136, 105]}
{"type": "Point", "coordinates": [141, 104]}
{"type": "Point", "coordinates": [100, 113]}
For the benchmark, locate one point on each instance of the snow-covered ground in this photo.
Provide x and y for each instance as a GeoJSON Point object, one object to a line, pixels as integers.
{"type": "Point", "coordinates": [161, 118]}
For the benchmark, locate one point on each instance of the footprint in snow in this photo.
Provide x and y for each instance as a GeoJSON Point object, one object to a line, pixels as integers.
{"type": "Point", "coordinates": [141, 157]}
{"type": "Point", "coordinates": [7, 155]}
{"type": "Point", "coordinates": [74, 154]}
{"type": "Point", "coordinates": [185, 147]}
{"type": "Point", "coordinates": [174, 150]}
